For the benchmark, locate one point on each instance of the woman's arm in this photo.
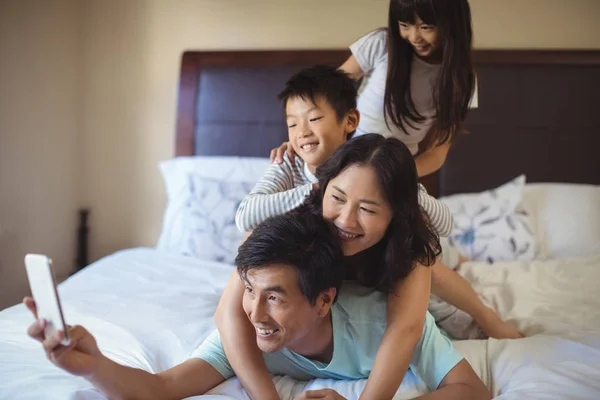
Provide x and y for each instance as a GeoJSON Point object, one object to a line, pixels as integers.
{"type": "Point", "coordinates": [407, 306]}
{"type": "Point", "coordinates": [239, 342]}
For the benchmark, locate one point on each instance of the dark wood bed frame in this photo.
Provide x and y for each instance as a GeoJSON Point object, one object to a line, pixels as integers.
{"type": "Point", "coordinates": [539, 113]}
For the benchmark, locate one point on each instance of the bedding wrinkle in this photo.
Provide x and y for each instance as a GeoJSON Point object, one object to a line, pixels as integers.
{"type": "Point", "coordinates": [158, 309]}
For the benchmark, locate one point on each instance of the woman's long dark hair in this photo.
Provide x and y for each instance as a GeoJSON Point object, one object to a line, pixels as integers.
{"type": "Point", "coordinates": [456, 81]}
{"type": "Point", "coordinates": [409, 237]}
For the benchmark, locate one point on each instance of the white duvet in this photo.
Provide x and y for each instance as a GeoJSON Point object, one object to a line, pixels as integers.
{"type": "Point", "coordinates": [150, 310]}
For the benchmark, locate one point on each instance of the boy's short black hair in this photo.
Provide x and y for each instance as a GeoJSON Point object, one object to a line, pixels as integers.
{"type": "Point", "coordinates": [300, 239]}
{"type": "Point", "coordinates": [331, 84]}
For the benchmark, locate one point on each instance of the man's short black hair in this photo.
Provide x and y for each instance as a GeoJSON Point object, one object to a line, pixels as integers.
{"type": "Point", "coordinates": [331, 84]}
{"type": "Point", "coordinates": [300, 239]}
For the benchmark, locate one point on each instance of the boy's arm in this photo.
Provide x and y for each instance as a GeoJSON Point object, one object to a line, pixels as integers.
{"type": "Point", "coordinates": [238, 338]}
{"type": "Point", "coordinates": [274, 194]}
{"type": "Point", "coordinates": [407, 306]}
{"type": "Point", "coordinates": [438, 213]}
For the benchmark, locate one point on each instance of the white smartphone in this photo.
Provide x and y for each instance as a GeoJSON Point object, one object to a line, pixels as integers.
{"type": "Point", "coordinates": [43, 290]}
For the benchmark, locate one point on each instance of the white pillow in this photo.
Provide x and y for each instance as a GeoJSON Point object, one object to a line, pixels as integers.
{"type": "Point", "coordinates": [566, 219]}
{"type": "Point", "coordinates": [490, 226]}
{"type": "Point", "coordinates": [203, 194]}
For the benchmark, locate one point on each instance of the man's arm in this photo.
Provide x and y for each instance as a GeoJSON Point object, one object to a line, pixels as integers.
{"type": "Point", "coordinates": [192, 378]}
{"type": "Point", "coordinates": [82, 357]}
{"type": "Point", "coordinates": [443, 369]}
{"type": "Point", "coordinates": [461, 383]}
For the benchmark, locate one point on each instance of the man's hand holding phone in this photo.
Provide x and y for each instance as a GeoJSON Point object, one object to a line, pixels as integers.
{"type": "Point", "coordinates": [81, 357]}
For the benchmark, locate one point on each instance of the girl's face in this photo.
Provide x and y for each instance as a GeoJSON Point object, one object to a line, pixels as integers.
{"type": "Point", "coordinates": [425, 39]}
{"type": "Point", "coordinates": [357, 209]}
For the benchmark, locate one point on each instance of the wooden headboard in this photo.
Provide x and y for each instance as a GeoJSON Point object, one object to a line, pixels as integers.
{"type": "Point", "coordinates": [539, 113]}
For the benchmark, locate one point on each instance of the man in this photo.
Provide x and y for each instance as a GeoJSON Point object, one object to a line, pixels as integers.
{"type": "Point", "coordinates": [291, 266]}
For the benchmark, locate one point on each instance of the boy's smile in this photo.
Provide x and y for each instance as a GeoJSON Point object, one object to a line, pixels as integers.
{"type": "Point", "coordinates": [314, 130]}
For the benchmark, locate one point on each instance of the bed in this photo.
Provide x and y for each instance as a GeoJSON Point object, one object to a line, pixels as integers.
{"type": "Point", "coordinates": [151, 307]}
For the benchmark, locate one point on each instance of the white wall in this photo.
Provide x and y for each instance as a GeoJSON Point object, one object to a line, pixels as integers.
{"type": "Point", "coordinates": [40, 112]}
{"type": "Point", "coordinates": [536, 24]}
{"type": "Point", "coordinates": [109, 70]}
{"type": "Point", "coordinates": [131, 95]}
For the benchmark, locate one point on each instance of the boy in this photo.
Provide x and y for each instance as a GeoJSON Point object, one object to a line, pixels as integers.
{"type": "Point", "coordinates": [320, 111]}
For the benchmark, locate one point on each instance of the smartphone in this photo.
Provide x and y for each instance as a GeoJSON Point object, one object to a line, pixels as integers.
{"type": "Point", "coordinates": [43, 290]}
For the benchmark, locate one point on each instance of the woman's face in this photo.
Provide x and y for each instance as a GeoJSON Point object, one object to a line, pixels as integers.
{"type": "Point", "coordinates": [357, 209]}
{"type": "Point", "coordinates": [424, 39]}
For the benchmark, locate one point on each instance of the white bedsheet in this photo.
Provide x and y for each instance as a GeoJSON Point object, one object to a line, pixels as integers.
{"type": "Point", "coordinates": [150, 310]}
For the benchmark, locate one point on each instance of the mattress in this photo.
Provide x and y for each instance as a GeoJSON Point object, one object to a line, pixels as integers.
{"type": "Point", "coordinates": [150, 310]}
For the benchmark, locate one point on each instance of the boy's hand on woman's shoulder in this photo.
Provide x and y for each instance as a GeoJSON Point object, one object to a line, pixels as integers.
{"type": "Point", "coordinates": [277, 153]}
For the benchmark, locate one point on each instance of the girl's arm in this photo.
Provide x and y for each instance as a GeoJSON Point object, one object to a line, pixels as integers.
{"type": "Point", "coordinates": [406, 309]}
{"type": "Point", "coordinates": [432, 159]}
{"type": "Point", "coordinates": [351, 67]}
{"type": "Point", "coordinates": [239, 342]}
{"type": "Point", "coordinates": [434, 154]}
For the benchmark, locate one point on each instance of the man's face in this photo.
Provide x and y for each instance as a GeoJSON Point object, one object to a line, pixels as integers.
{"type": "Point", "coordinates": [282, 316]}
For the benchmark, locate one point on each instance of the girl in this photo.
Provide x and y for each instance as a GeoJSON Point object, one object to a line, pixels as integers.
{"type": "Point", "coordinates": [422, 67]}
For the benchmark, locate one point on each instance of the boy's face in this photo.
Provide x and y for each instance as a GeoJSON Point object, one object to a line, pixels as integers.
{"type": "Point", "coordinates": [282, 316]}
{"type": "Point", "coordinates": [314, 130]}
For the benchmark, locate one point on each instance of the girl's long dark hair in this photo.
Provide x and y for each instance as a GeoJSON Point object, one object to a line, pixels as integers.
{"type": "Point", "coordinates": [409, 237]}
{"type": "Point", "coordinates": [456, 81]}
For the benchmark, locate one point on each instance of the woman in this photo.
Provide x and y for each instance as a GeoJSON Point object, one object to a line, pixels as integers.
{"type": "Point", "coordinates": [368, 192]}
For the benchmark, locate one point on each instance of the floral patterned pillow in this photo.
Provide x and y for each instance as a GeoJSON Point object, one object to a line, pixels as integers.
{"type": "Point", "coordinates": [490, 226]}
{"type": "Point", "coordinates": [207, 219]}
